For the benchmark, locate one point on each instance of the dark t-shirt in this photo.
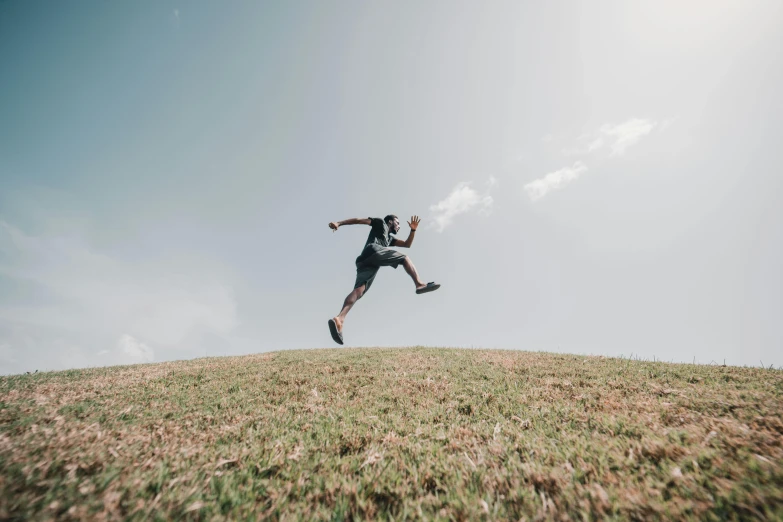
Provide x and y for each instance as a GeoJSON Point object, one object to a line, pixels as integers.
{"type": "Point", "coordinates": [379, 233]}
{"type": "Point", "coordinates": [378, 238]}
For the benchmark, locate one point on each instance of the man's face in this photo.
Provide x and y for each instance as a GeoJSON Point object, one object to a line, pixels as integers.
{"type": "Point", "coordinates": [395, 226]}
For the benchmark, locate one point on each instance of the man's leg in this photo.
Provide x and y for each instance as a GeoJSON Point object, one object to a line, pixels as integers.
{"type": "Point", "coordinates": [408, 264]}
{"type": "Point", "coordinates": [347, 305]}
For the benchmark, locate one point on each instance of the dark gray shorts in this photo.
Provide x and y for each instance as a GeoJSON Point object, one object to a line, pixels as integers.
{"type": "Point", "coordinates": [366, 269]}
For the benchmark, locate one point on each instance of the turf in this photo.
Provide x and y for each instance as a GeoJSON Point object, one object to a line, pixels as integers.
{"type": "Point", "coordinates": [393, 434]}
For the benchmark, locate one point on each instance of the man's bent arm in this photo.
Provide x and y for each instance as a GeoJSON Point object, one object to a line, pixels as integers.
{"type": "Point", "coordinates": [408, 242]}
{"type": "Point", "coordinates": [334, 225]}
{"type": "Point", "coordinates": [354, 221]}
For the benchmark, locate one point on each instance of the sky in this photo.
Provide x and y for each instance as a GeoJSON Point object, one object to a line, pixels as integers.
{"type": "Point", "coordinates": [592, 178]}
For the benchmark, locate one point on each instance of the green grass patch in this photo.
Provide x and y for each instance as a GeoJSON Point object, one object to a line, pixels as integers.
{"type": "Point", "coordinates": [393, 434]}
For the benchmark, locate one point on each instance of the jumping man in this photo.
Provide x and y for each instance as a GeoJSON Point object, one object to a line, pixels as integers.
{"type": "Point", "coordinates": [376, 253]}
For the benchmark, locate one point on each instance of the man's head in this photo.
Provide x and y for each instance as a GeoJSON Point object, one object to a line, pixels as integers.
{"type": "Point", "coordinates": [393, 222]}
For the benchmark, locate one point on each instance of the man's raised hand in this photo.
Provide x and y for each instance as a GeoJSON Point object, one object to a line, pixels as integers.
{"type": "Point", "coordinates": [334, 226]}
{"type": "Point", "coordinates": [414, 222]}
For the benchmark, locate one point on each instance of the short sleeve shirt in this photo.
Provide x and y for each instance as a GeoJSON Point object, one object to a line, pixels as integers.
{"type": "Point", "coordinates": [379, 234]}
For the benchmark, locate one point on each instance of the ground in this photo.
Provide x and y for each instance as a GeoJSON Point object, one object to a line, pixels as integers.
{"type": "Point", "coordinates": [415, 433]}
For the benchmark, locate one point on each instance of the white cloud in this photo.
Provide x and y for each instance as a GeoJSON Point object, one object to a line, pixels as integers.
{"type": "Point", "coordinates": [87, 298]}
{"type": "Point", "coordinates": [134, 349]}
{"type": "Point", "coordinates": [554, 180]}
{"type": "Point", "coordinates": [626, 134]}
{"type": "Point", "coordinates": [618, 137]}
{"type": "Point", "coordinates": [596, 144]}
{"type": "Point", "coordinates": [462, 199]}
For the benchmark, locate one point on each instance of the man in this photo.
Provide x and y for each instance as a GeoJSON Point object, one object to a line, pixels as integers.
{"type": "Point", "coordinates": [376, 253]}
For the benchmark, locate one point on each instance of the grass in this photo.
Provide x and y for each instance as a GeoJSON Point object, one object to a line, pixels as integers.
{"type": "Point", "coordinates": [439, 434]}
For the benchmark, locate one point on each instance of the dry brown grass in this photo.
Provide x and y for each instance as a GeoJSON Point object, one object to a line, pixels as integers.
{"type": "Point", "coordinates": [394, 434]}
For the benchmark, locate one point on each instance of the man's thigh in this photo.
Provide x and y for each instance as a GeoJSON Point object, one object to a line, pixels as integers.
{"type": "Point", "coordinates": [386, 257]}
{"type": "Point", "coordinates": [365, 275]}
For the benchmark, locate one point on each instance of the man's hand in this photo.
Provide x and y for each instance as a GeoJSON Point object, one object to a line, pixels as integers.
{"type": "Point", "coordinates": [414, 224]}
{"type": "Point", "coordinates": [334, 225]}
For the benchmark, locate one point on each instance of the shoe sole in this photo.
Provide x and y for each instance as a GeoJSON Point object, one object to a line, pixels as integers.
{"type": "Point", "coordinates": [336, 336]}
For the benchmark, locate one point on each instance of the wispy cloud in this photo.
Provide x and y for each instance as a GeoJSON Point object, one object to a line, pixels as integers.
{"type": "Point", "coordinates": [595, 144]}
{"type": "Point", "coordinates": [87, 301]}
{"type": "Point", "coordinates": [554, 180]}
{"type": "Point", "coordinates": [626, 134]}
{"type": "Point", "coordinates": [618, 137]}
{"type": "Point", "coordinates": [134, 350]}
{"type": "Point", "coordinates": [462, 199]}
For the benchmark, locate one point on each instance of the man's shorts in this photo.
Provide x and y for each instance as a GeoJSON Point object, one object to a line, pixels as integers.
{"type": "Point", "coordinates": [367, 268]}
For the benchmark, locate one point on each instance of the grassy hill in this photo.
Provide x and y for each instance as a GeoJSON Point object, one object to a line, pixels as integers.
{"type": "Point", "coordinates": [394, 434]}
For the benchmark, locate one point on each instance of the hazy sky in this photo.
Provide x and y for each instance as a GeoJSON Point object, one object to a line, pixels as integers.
{"type": "Point", "coordinates": [596, 178]}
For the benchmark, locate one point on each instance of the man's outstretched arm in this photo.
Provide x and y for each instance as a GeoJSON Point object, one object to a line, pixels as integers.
{"type": "Point", "coordinates": [334, 225]}
{"type": "Point", "coordinates": [414, 224]}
